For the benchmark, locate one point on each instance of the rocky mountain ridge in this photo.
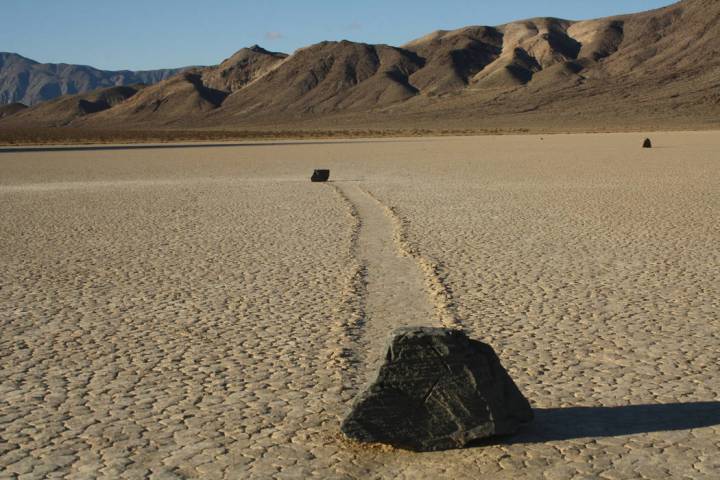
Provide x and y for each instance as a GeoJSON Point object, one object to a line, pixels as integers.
{"type": "Point", "coordinates": [655, 66]}
{"type": "Point", "coordinates": [26, 81]}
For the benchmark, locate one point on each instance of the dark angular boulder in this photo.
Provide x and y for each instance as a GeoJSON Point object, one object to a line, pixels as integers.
{"type": "Point", "coordinates": [647, 143]}
{"type": "Point", "coordinates": [437, 390]}
{"type": "Point", "coordinates": [320, 176]}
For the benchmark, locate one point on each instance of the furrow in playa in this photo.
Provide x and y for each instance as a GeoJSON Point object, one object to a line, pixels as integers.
{"type": "Point", "coordinates": [400, 286]}
{"type": "Point", "coordinates": [433, 271]}
{"type": "Point", "coordinates": [349, 315]}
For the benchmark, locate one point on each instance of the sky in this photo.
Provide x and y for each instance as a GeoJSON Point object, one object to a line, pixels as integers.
{"type": "Point", "coordinates": [149, 34]}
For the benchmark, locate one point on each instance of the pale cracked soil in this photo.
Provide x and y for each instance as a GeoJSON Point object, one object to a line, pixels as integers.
{"type": "Point", "coordinates": [210, 313]}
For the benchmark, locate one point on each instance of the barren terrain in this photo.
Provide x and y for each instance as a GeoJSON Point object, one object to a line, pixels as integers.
{"type": "Point", "coordinates": [207, 312]}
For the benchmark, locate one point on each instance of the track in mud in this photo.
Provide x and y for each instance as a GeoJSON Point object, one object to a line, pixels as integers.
{"type": "Point", "coordinates": [398, 288]}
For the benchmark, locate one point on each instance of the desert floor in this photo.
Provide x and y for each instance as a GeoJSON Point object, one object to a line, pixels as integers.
{"type": "Point", "coordinates": [208, 312]}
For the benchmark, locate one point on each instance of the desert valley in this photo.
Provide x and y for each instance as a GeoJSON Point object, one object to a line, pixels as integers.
{"type": "Point", "coordinates": [179, 300]}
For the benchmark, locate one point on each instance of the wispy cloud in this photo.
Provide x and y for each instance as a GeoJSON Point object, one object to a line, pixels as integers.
{"type": "Point", "coordinates": [272, 36]}
{"type": "Point", "coordinates": [354, 26]}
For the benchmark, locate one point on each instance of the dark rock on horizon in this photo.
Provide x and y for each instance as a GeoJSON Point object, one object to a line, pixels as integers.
{"type": "Point", "coordinates": [437, 390]}
{"type": "Point", "coordinates": [320, 176]}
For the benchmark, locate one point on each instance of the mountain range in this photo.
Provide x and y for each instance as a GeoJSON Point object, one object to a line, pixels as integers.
{"type": "Point", "coordinates": [653, 69]}
{"type": "Point", "coordinates": [26, 81]}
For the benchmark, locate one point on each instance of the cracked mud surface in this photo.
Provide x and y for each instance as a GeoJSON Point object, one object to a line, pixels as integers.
{"type": "Point", "coordinates": [211, 313]}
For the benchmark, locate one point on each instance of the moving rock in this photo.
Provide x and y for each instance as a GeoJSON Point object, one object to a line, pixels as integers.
{"type": "Point", "coordinates": [437, 390]}
{"type": "Point", "coordinates": [647, 143]}
{"type": "Point", "coordinates": [320, 176]}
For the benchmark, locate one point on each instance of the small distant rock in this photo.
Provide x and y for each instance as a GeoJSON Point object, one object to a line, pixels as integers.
{"type": "Point", "coordinates": [647, 143]}
{"type": "Point", "coordinates": [437, 390]}
{"type": "Point", "coordinates": [320, 176]}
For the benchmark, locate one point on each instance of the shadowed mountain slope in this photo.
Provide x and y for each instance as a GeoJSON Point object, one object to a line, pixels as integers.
{"type": "Point", "coordinates": [64, 110]}
{"type": "Point", "coordinates": [11, 109]}
{"type": "Point", "coordinates": [452, 59]}
{"type": "Point", "coordinates": [328, 77]}
{"type": "Point", "coordinates": [244, 67]}
{"type": "Point", "coordinates": [195, 92]}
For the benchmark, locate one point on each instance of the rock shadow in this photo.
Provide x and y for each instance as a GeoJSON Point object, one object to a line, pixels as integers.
{"type": "Point", "coordinates": [557, 424]}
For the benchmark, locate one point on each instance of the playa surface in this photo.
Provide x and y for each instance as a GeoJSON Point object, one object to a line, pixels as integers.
{"type": "Point", "coordinates": [208, 312]}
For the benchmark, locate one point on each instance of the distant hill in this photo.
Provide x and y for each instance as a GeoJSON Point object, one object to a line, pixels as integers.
{"type": "Point", "coordinates": [11, 109]}
{"type": "Point", "coordinates": [26, 81]}
{"type": "Point", "coordinates": [650, 69]}
{"type": "Point", "coordinates": [63, 110]}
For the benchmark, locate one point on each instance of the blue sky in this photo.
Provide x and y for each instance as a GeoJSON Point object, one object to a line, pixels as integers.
{"type": "Point", "coordinates": [146, 34]}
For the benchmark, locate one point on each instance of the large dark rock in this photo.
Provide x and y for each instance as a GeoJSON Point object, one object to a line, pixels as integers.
{"type": "Point", "coordinates": [437, 390]}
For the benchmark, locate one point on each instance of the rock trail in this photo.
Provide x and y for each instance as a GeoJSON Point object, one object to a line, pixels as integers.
{"type": "Point", "coordinates": [395, 282]}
